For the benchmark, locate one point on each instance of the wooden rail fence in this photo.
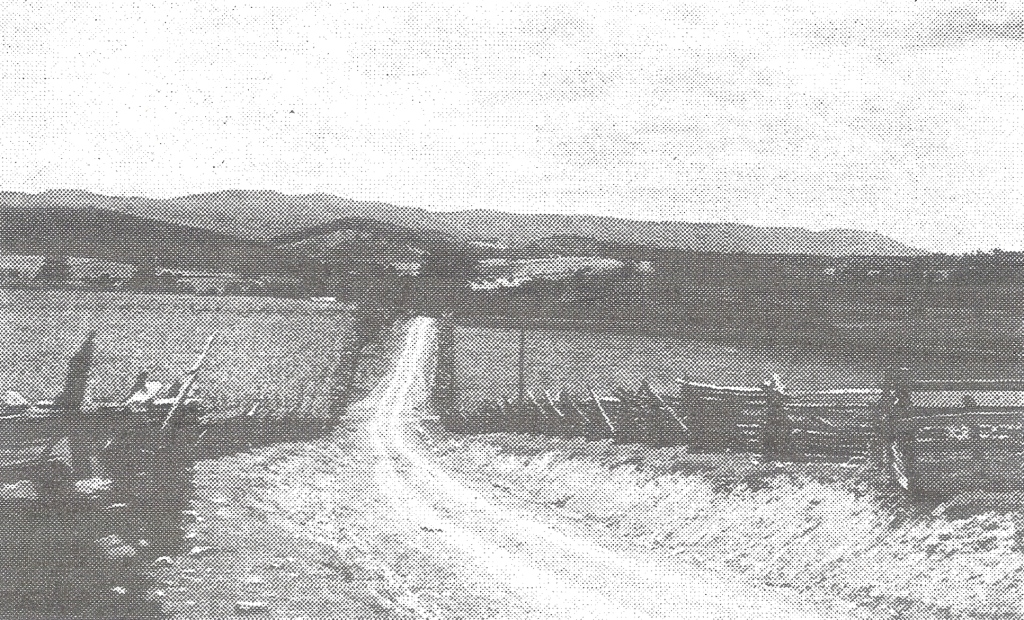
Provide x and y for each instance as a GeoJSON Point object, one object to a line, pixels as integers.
{"type": "Point", "coordinates": [930, 437]}
{"type": "Point", "coordinates": [825, 426]}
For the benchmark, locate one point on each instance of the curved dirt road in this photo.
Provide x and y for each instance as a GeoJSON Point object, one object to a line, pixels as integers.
{"type": "Point", "coordinates": [520, 560]}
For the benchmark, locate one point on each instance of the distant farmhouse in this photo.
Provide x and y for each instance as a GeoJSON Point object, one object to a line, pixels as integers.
{"type": "Point", "coordinates": [408, 269]}
{"type": "Point", "coordinates": [18, 270]}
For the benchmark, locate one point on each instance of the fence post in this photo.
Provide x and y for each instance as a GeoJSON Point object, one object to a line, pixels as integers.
{"type": "Point", "coordinates": [604, 414]}
{"type": "Point", "coordinates": [70, 403]}
{"type": "Point", "coordinates": [673, 428]}
{"type": "Point", "coordinates": [539, 420]}
{"type": "Point", "coordinates": [892, 453]}
{"type": "Point", "coordinates": [521, 376]}
{"type": "Point", "coordinates": [444, 378]}
{"type": "Point", "coordinates": [562, 421]}
{"type": "Point", "coordinates": [628, 422]}
{"type": "Point", "coordinates": [774, 430]}
{"type": "Point", "coordinates": [579, 423]}
{"type": "Point", "coordinates": [886, 419]}
{"type": "Point", "coordinates": [691, 417]}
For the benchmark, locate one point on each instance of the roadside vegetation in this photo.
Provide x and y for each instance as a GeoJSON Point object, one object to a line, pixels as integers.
{"type": "Point", "coordinates": [822, 530]}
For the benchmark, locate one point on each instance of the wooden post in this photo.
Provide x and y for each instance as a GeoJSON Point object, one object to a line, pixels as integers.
{"type": "Point", "coordinates": [444, 376]}
{"type": "Point", "coordinates": [563, 422]}
{"type": "Point", "coordinates": [522, 368]}
{"type": "Point", "coordinates": [187, 383]}
{"type": "Point", "coordinates": [886, 418]}
{"type": "Point", "coordinates": [691, 416]}
{"type": "Point", "coordinates": [604, 415]}
{"type": "Point", "coordinates": [581, 423]}
{"type": "Point", "coordinates": [894, 455]}
{"type": "Point", "coordinates": [451, 366]}
{"type": "Point", "coordinates": [537, 413]}
{"type": "Point", "coordinates": [680, 424]}
{"type": "Point", "coordinates": [774, 431]}
{"type": "Point", "coordinates": [70, 404]}
{"type": "Point", "coordinates": [73, 394]}
{"type": "Point", "coordinates": [505, 422]}
{"type": "Point", "coordinates": [631, 422]}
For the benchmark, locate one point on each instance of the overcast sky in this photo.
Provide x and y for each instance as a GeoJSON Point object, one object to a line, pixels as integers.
{"type": "Point", "coordinates": [895, 116]}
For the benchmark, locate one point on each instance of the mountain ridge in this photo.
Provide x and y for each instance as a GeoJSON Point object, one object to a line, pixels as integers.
{"type": "Point", "coordinates": [263, 215]}
{"type": "Point", "coordinates": [55, 228]}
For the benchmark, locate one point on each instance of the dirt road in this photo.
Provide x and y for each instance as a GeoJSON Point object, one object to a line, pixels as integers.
{"type": "Point", "coordinates": [510, 558]}
{"type": "Point", "coordinates": [366, 523]}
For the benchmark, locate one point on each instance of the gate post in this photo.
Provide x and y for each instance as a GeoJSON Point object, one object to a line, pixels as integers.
{"type": "Point", "coordinates": [893, 455]}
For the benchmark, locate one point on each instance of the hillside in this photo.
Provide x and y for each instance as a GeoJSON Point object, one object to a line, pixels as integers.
{"type": "Point", "coordinates": [698, 237]}
{"type": "Point", "coordinates": [71, 224]}
{"type": "Point", "coordinates": [265, 215]}
{"type": "Point", "coordinates": [362, 239]}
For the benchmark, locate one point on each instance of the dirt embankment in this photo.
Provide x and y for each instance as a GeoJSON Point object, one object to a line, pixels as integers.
{"type": "Point", "coordinates": [819, 530]}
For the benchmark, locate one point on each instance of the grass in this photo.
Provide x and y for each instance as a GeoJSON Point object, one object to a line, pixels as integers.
{"type": "Point", "coordinates": [276, 354]}
{"type": "Point", "coordinates": [822, 529]}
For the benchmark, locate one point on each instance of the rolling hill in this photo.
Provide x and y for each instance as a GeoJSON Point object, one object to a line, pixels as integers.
{"type": "Point", "coordinates": [261, 232]}
{"type": "Point", "coordinates": [265, 215]}
{"type": "Point", "coordinates": [70, 224]}
{"type": "Point", "coordinates": [363, 239]}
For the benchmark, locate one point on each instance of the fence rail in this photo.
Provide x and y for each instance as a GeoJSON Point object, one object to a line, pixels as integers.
{"type": "Point", "coordinates": [931, 437]}
{"type": "Point", "coordinates": [707, 419]}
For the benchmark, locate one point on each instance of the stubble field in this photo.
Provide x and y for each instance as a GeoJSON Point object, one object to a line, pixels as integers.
{"type": "Point", "coordinates": [277, 355]}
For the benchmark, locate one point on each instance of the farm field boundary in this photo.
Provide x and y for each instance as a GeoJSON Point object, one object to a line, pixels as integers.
{"type": "Point", "coordinates": [279, 371]}
{"type": "Point", "coordinates": [933, 435]}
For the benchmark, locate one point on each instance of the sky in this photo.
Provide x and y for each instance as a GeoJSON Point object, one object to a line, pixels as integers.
{"type": "Point", "coordinates": [895, 116]}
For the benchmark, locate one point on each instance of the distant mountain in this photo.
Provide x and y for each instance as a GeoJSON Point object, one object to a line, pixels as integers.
{"type": "Point", "coordinates": [268, 215]}
{"type": "Point", "coordinates": [75, 224]}
{"type": "Point", "coordinates": [551, 229]}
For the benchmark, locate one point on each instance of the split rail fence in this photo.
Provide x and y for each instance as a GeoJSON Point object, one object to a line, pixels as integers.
{"type": "Point", "coordinates": [931, 437]}
{"type": "Point", "coordinates": [825, 426]}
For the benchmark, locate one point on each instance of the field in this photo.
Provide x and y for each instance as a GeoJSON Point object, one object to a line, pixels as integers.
{"type": "Point", "coordinates": [274, 354]}
{"type": "Point", "coordinates": [92, 555]}
{"type": "Point", "coordinates": [486, 363]}
{"type": "Point", "coordinates": [879, 320]}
